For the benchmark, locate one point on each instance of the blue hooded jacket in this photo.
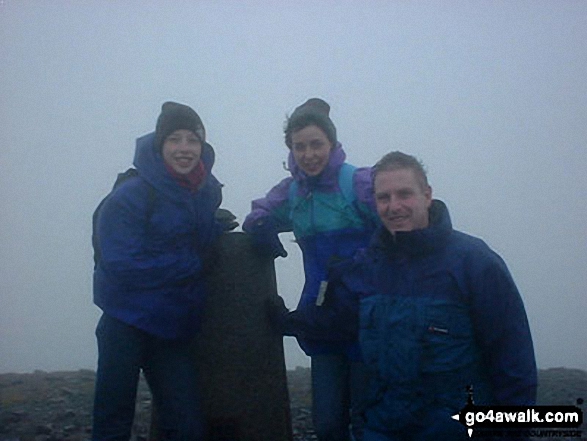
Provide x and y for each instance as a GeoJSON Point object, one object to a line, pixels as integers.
{"type": "Point", "coordinates": [153, 236]}
{"type": "Point", "coordinates": [438, 311]}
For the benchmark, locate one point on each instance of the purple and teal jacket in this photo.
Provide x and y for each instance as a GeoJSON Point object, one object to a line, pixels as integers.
{"type": "Point", "coordinates": [328, 222]}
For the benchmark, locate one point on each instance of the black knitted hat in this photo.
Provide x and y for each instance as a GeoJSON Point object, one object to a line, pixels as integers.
{"type": "Point", "coordinates": [314, 111]}
{"type": "Point", "coordinates": [175, 116]}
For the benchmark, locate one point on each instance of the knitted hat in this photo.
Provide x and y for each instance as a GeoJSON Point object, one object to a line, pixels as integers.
{"type": "Point", "coordinates": [174, 117]}
{"type": "Point", "coordinates": [314, 111]}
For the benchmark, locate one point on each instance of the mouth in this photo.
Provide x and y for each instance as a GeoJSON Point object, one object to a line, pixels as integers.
{"type": "Point", "coordinates": [397, 219]}
{"type": "Point", "coordinates": [314, 166]}
{"type": "Point", "coordinates": [184, 161]}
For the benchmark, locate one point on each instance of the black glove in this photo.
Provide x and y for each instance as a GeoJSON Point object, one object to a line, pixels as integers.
{"type": "Point", "coordinates": [266, 239]}
{"type": "Point", "coordinates": [269, 245]}
{"type": "Point", "coordinates": [226, 219]}
{"type": "Point", "coordinates": [276, 313]}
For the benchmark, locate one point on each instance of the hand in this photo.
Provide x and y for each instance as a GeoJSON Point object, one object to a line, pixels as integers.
{"type": "Point", "coordinates": [266, 240]}
{"type": "Point", "coordinates": [226, 219]}
{"type": "Point", "coordinates": [270, 245]}
{"type": "Point", "coordinates": [267, 243]}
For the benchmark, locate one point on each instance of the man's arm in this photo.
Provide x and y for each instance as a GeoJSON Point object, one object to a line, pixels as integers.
{"type": "Point", "coordinates": [335, 320]}
{"type": "Point", "coordinates": [502, 330]}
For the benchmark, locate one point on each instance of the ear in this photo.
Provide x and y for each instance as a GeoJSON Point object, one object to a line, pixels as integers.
{"type": "Point", "coordinates": [428, 195]}
{"type": "Point", "coordinates": [332, 145]}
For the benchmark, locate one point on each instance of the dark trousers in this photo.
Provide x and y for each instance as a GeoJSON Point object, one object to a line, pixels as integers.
{"type": "Point", "coordinates": [168, 367]}
{"type": "Point", "coordinates": [339, 389]}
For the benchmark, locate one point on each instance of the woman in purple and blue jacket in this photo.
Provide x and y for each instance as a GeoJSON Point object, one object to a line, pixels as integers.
{"type": "Point", "coordinates": [328, 205]}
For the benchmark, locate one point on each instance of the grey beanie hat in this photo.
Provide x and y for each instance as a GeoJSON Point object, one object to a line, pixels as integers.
{"type": "Point", "coordinates": [314, 111]}
{"type": "Point", "coordinates": [175, 116]}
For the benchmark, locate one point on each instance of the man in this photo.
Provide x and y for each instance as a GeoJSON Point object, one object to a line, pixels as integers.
{"type": "Point", "coordinates": [438, 312]}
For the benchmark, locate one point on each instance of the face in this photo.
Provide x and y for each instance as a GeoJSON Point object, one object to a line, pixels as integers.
{"type": "Point", "coordinates": [182, 150]}
{"type": "Point", "coordinates": [402, 203]}
{"type": "Point", "coordinates": [311, 149]}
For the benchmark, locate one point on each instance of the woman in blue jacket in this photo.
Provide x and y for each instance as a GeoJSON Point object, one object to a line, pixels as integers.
{"type": "Point", "coordinates": [328, 205]}
{"type": "Point", "coordinates": [152, 232]}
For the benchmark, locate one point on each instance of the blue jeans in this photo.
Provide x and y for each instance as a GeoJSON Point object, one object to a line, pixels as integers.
{"type": "Point", "coordinates": [339, 389]}
{"type": "Point", "coordinates": [168, 367]}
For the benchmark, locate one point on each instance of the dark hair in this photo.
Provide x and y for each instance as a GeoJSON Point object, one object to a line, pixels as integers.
{"type": "Point", "coordinates": [399, 160]}
{"type": "Point", "coordinates": [314, 111]}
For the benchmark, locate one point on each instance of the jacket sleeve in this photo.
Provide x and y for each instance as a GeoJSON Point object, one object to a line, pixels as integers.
{"type": "Point", "coordinates": [363, 187]}
{"type": "Point", "coordinates": [209, 204]}
{"type": "Point", "coordinates": [128, 254]}
{"type": "Point", "coordinates": [337, 319]}
{"type": "Point", "coordinates": [272, 210]}
{"type": "Point", "coordinates": [269, 217]}
{"type": "Point", "coordinates": [502, 330]}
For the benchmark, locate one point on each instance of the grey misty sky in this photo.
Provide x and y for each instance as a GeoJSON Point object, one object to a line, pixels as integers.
{"type": "Point", "coordinates": [490, 95]}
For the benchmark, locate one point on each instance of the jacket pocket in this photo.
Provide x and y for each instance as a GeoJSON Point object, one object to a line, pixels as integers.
{"type": "Point", "coordinates": [390, 339]}
{"type": "Point", "coordinates": [449, 343]}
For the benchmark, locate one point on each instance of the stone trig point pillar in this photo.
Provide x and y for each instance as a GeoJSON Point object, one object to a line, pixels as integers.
{"type": "Point", "coordinates": [240, 360]}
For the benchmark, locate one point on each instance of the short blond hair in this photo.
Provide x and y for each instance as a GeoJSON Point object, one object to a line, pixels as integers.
{"type": "Point", "coordinates": [399, 160]}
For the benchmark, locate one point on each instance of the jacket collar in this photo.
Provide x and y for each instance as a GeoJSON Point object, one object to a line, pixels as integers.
{"type": "Point", "coordinates": [328, 178]}
{"type": "Point", "coordinates": [151, 167]}
{"type": "Point", "coordinates": [417, 242]}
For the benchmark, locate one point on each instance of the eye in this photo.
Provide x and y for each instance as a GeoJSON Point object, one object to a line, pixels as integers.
{"type": "Point", "coordinates": [404, 194]}
{"type": "Point", "coordinates": [381, 197]}
{"type": "Point", "coordinates": [317, 144]}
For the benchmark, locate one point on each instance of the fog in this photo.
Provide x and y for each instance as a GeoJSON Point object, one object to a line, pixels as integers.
{"type": "Point", "coordinates": [492, 96]}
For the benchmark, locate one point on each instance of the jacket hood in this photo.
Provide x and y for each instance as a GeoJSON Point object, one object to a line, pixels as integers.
{"type": "Point", "coordinates": [327, 178]}
{"type": "Point", "coordinates": [417, 242]}
{"type": "Point", "coordinates": [151, 166]}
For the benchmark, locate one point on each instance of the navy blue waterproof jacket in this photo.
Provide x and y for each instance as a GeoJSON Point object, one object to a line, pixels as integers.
{"type": "Point", "coordinates": [438, 311]}
{"type": "Point", "coordinates": [153, 235]}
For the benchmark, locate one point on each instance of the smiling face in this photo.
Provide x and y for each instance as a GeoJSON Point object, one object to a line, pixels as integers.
{"type": "Point", "coordinates": [182, 150]}
{"type": "Point", "coordinates": [402, 200]}
{"type": "Point", "coordinates": [311, 149]}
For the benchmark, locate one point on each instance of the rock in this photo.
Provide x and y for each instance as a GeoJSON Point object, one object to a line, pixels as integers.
{"type": "Point", "coordinates": [69, 429]}
{"type": "Point", "coordinates": [67, 391]}
{"type": "Point", "coordinates": [28, 414]}
{"type": "Point", "coordinates": [44, 429]}
{"type": "Point", "coordinates": [15, 417]}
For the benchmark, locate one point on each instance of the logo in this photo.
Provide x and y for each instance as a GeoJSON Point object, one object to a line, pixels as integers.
{"type": "Point", "coordinates": [521, 418]}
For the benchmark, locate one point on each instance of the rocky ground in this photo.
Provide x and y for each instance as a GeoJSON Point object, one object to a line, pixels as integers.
{"type": "Point", "coordinates": [54, 406]}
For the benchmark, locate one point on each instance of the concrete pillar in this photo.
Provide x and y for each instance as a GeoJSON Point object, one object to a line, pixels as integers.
{"type": "Point", "coordinates": [240, 360]}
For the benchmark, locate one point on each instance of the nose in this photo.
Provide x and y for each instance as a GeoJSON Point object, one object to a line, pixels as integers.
{"type": "Point", "coordinates": [304, 153]}
{"type": "Point", "coordinates": [183, 144]}
{"type": "Point", "coordinates": [313, 153]}
{"type": "Point", "coordinates": [394, 203]}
